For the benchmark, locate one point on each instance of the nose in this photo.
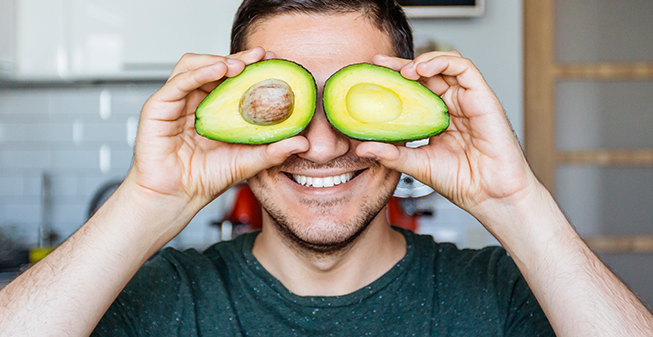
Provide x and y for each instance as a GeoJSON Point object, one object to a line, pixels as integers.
{"type": "Point", "coordinates": [325, 142]}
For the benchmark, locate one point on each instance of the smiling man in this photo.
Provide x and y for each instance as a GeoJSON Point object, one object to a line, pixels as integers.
{"type": "Point", "coordinates": [319, 228]}
{"type": "Point", "coordinates": [326, 262]}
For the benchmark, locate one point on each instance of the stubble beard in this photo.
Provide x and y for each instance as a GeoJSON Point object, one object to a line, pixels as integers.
{"type": "Point", "coordinates": [327, 234]}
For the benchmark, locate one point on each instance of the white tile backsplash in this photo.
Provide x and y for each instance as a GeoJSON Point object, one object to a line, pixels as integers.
{"type": "Point", "coordinates": [75, 159]}
{"type": "Point", "coordinates": [60, 130]}
{"type": "Point", "coordinates": [48, 132]}
{"type": "Point", "coordinates": [11, 132]}
{"type": "Point", "coordinates": [11, 185]}
{"type": "Point", "coordinates": [25, 159]}
{"type": "Point", "coordinates": [68, 216]}
{"type": "Point", "coordinates": [21, 211]}
{"type": "Point", "coordinates": [75, 101]}
{"type": "Point", "coordinates": [115, 131]}
{"type": "Point", "coordinates": [24, 102]}
{"type": "Point", "coordinates": [64, 186]}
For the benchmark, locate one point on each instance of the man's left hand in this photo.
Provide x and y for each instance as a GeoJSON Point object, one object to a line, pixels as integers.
{"type": "Point", "coordinates": [477, 161]}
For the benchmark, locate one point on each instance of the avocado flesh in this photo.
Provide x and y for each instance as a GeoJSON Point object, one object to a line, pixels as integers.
{"type": "Point", "coordinates": [369, 102]}
{"type": "Point", "coordinates": [219, 115]}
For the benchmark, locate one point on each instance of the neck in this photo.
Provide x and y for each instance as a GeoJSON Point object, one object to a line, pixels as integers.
{"type": "Point", "coordinates": [307, 273]}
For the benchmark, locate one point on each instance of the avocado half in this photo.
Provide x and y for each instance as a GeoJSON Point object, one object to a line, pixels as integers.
{"type": "Point", "coordinates": [237, 110]}
{"type": "Point", "coordinates": [369, 102]}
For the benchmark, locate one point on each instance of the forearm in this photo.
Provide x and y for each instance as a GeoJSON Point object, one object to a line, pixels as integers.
{"type": "Point", "coordinates": [578, 293]}
{"type": "Point", "coordinates": [68, 292]}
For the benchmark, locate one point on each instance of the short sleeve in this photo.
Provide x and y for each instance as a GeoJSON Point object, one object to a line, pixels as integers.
{"type": "Point", "coordinates": [146, 306]}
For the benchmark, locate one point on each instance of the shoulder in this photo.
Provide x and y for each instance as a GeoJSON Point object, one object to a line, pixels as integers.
{"type": "Point", "coordinates": [484, 283]}
{"type": "Point", "coordinates": [447, 257]}
{"type": "Point", "coordinates": [489, 261]}
{"type": "Point", "coordinates": [486, 275]}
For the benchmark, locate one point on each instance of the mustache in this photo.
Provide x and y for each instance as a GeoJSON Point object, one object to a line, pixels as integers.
{"type": "Point", "coordinates": [295, 162]}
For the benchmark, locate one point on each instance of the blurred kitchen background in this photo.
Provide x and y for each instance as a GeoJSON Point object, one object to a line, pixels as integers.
{"type": "Point", "coordinates": [574, 77]}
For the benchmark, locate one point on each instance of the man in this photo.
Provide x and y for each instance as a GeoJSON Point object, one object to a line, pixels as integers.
{"type": "Point", "coordinates": [326, 261]}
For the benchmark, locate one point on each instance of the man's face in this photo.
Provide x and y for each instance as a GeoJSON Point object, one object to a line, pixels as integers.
{"type": "Point", "coordinates": [323, 219]}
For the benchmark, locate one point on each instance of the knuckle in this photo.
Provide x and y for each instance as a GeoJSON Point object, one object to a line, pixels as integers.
{"type": "Point", "coordinates": [187, 56]}
{"type": "Point", "coordinates": [469, 62]}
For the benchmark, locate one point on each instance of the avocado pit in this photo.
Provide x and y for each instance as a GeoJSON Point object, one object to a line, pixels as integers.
{"type": "Point", "coordinates": [267, 102]}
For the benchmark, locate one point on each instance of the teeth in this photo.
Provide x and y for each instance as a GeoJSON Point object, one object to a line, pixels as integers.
{"type": "Point", "coordinates": [324, 181]}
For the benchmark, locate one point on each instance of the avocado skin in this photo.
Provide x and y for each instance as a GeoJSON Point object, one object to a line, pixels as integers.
{"type": "Point", "coordinates": [382, 132]}
{"type": "Point", "coordinates": [223, 122]}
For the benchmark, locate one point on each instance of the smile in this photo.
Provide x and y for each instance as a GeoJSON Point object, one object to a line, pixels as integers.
{"type": "Point", "coordinates": [324, 181]}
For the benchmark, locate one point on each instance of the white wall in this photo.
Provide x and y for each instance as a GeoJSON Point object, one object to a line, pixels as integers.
{"type": "Point", "coordinates": [494, 43]}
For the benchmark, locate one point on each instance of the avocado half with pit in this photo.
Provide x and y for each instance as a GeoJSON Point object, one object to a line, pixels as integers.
{"type": "Point", "coordinates": [268, 101]}
{"type": "Point", "coordinates": [369, 102]}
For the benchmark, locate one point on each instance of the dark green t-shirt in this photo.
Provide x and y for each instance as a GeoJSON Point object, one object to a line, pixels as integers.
{"type": "Point", "coordinates": [435, 290]}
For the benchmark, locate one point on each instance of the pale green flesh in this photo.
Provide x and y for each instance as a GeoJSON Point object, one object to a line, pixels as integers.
{"type": "Point", "coordinates": [423, 113]}
{"type": "Point", "coordinates": [218, 116]}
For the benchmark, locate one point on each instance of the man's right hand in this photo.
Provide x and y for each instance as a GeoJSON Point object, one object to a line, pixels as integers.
{"type": "Point", "coordinates": [172, 162]}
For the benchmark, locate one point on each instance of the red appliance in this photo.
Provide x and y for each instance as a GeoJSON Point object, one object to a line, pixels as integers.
{"type": "Point", "coordinates": [245, 214]}
{"type": "Point", "coordinates": [397, 215]}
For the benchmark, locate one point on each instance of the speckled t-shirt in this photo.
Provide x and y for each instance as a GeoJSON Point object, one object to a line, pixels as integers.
{"type": "Point", "coordinates": [435, 290]}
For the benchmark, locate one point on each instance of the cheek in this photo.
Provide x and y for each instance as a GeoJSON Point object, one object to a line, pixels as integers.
{"type": "Point", "coordinates": [388, 178]}
{"type": "Point", "coordinates": [259, 185]}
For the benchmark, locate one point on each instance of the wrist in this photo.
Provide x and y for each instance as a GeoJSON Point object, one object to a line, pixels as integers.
{"type": "Point", "coordinates": [529, 225]}
{"type": "Point", "coordinates": [142, 216]}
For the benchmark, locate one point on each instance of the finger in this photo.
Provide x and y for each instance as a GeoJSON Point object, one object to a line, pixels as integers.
{"type": "Point", "coordinates": [207, 88]}
{"type": "Point", "coordinates": [409, 70]}
{"type": "Point", "coordinates": [236, 66]}
{"type": "Point", "coordinates": [191, 61]}
{"type": "Point", "coordinates": [394, 63]}
{"type": "Point", "coordinates": [270, 55]}
{"type": "Point", "coordinates": [249, 56]}
{"type": "Point", "coordinates": [238, 61]}
{"type": "Point", "coordinates": [432, 54]}
{"type": "Point", "coordinates": [438, 84]}
{"type": "Point", "coordinates": [399, 158]}
{"type": "Point", "coordinates": [461, 70]}
{"type": "Point", "coordinates": [184, 83]}
{"type": "Point", "coordinates": [266, 156]}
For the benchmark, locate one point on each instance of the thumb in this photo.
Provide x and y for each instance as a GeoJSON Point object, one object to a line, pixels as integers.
{"type": "Point", "coordinates": [266, 156]}
{"type": "Point", "coordinates": [398, 158]}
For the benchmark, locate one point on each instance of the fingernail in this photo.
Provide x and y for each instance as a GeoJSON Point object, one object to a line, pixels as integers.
{"type": "Point", "coordinates": [409, 64]}
{"type": "Point", "coordinates": [369, 155]}
{"type": "Point", "coordinates": [231, 60]}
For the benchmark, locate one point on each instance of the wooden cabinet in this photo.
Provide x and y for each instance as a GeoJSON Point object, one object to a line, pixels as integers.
{"type": "Point", "coordinates": [589, 115]}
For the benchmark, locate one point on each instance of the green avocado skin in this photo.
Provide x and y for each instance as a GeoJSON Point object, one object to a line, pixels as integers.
{"type": "Point", "coordinates": [251, 133]}
{"type": "Point", "coordinates": [420, 125]}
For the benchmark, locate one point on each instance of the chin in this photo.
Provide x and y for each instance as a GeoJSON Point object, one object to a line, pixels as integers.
{"type": "Point", "coordinates": [323, 227]}
{"type": "Point", "coordinates": [322, 233]}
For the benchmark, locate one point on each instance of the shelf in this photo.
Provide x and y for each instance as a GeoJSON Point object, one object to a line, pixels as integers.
{"type": "Point", "coordinates": [642, 157]}
{"type": "Point", "coordinates": [606, 71]}
{"type": "Point", "coordinates": [621, 244]}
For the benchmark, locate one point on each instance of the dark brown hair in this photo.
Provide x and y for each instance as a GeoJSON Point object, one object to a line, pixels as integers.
{"type": "Point", "coordinates": [386, 15]}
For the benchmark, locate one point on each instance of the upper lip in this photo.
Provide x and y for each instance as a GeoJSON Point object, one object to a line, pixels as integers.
{"type": "Point", "coordinates": [324, 173]}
